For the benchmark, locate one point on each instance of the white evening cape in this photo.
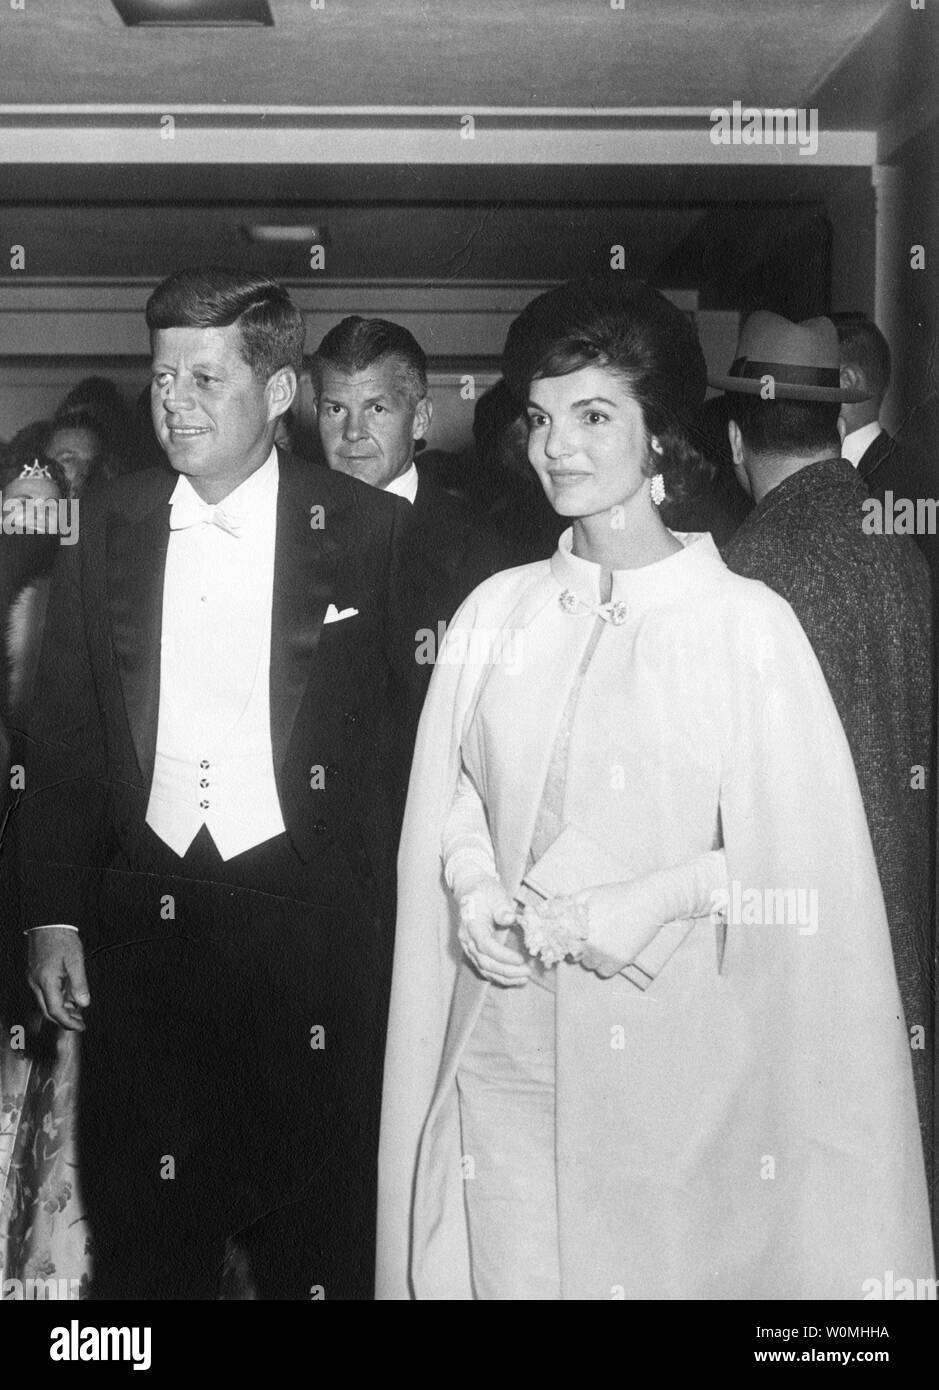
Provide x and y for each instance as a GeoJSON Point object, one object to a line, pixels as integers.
{"type": "Point", "coordinates": [745, 1128]}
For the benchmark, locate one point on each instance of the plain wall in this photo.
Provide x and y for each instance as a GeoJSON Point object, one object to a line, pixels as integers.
{"type": "Point", "coordinates": [53, 335]}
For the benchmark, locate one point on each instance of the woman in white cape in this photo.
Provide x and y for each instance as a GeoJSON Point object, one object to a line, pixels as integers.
{"type": "Point", "coordinates": [680, 1070]}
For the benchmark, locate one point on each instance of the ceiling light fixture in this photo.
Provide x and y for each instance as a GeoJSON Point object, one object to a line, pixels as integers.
{"type": "Point", "coordinates": [217, 14]}
{"type": "Point", "coordinates": [311, 233]}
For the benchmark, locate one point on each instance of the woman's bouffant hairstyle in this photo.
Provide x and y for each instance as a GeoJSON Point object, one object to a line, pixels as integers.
{"type": "Point", "coordinates": [634, 331]}
{"type": "Point", "coordinates": [271, 326]}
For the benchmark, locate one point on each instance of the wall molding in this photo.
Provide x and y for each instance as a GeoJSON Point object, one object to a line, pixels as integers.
{"type": "Point", "coordinates": [310, 136]}
{"type": "Point", "coordinates": [84, 318]}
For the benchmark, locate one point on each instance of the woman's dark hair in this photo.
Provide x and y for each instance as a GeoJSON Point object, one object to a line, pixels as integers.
{"type": "Point", "coordinates": [25, 445]}
{"type": "Point", "coordinates": [97, 394]}
{"type": "Point", "coordinates": [634, 331]}
{"type": "Point", "coordinates": [77, 417]}
{"type": "Point", "coordinates": [271, 326]}
{"type": "Point", "coordinates": [98, 398]}
{"type": "Point", "coordinates": [496, 411]}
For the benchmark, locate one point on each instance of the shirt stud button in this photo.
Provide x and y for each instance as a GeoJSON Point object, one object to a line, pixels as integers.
{"type": "Point", "coordinates": [204, 805]}
{"type": "Point", "coordinates": [203, 763]}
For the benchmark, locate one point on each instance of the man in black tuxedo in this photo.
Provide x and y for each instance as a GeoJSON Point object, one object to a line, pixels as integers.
{"type": "Point", "coordinates": [884, 462]}
{"type": "Point", "coordinates": [866, 367]}
{"type": "Point", "coordinates": [205, 829]}
{"type": "Point", "coordinates": [370, 379]}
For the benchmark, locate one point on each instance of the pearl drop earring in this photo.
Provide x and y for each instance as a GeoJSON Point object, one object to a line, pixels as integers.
{"type": "Point", "coordinates": [657, 489]}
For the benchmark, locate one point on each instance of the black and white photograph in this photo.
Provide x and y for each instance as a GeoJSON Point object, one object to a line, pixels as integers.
{"type": "Point", "coordinates": [468, 689]}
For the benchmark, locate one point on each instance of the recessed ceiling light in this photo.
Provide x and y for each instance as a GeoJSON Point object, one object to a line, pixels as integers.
{"type": "Point", "coordinates": [228, 14]}
{"type": "Point", "coordinates": [311, 233]}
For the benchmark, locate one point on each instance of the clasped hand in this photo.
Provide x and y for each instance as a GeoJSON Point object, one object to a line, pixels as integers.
{"type": "Point", "coordinates": [615, 936]}
{"type": "Point", "coordinates": [484, 910]}
{"type": "Point", "coordinates": [617, 932]}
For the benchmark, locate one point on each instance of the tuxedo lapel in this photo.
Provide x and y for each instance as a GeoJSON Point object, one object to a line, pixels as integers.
{"type": "Point", "coordinates": [136, 561]}
{"type": "Point", "coordinates": [303, 586]}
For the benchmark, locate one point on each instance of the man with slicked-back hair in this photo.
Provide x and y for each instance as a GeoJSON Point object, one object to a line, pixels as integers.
{"type": "Point", "coordinates": [206, 832]}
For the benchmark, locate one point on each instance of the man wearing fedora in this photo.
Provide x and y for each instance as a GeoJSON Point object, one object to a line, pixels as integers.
{"type": "Point", "coordinates": [864, 602]}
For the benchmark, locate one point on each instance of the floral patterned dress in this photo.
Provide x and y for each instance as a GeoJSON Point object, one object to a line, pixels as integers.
{"type": "Point", "coordinates": [43, 1233]}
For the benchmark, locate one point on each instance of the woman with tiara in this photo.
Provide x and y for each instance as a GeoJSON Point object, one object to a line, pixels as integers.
{"type": "Point", "coordinates": [645, 1038]}
{"type": "Point", "coordinates": [42, 1228]}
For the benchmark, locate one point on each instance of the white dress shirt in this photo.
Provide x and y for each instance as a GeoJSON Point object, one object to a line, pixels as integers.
{"type": "Point", "coordinates": [856, 444]}
{"type": "Point", "coordinates": [214, 764]}
{"type": "Point", "coordinates": [405, 485]}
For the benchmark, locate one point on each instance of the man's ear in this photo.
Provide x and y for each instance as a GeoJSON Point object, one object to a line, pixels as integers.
{"type": "Point", "coordinates": [737, 450]}
{"type": "Point", "coordinates": [280, 391]}
{"type": "Point", "coordinates": [423, 414]}
{"type": "Point", "coordinates": [851, 379]}
{"type": "Point", "coordinates": [736, 442]}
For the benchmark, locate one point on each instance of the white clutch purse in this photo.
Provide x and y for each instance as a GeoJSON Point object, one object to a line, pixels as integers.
{"type": "Point", "coordinates": [575, 861]}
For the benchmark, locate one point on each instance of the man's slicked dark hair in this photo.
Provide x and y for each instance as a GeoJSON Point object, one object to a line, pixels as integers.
{"type": "Point", "coordinates": [865, 348]}
{"type": "Point", "coordinates": [785, 427]}
{"type": "Point", "coordinates": [356, 344]}
{"type": "Point", "coordinates": [271, 326]}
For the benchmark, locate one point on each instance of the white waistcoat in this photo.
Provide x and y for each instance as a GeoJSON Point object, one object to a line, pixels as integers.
{"type": "Point", "coordinates": [214, 765]}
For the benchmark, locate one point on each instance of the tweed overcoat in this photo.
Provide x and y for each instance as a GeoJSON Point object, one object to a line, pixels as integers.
{"type": "Point", "coordinates": [863, 599]}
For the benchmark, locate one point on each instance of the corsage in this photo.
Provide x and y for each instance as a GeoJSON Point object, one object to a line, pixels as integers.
{"type": "Point", "coordinates": [556, 929]}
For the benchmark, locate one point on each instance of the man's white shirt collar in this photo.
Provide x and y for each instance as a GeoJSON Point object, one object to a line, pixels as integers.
{"type": "Point", "coordinates": [405, 485]}
{"type": "Point", "coordinates": [856, 444]}
{"type": "Point", "coordinates": [242, 502]}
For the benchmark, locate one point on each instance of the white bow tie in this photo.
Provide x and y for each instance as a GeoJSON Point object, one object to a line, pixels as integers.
{"type": "Point", "coordinates": [190, 511]}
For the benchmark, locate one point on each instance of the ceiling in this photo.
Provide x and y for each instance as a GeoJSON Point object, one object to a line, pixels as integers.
{"type": "Point", "coordinates": [674, 245]}
{"type": "Point", "coordinates": [581, 54]}
{"type": "Point", "coordinates": [316, 186]}
{"type": "Point", "coordinates": [681, 227]}
{"type": "Point", "coordinates": [860, 62]}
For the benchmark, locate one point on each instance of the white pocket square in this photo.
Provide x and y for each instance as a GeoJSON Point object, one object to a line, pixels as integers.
{"type": "Point", "coordinates": [333, 615]}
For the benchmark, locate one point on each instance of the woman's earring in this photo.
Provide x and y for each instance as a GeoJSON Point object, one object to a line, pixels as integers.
{"type": "Point", "coordinates": [657, 489]}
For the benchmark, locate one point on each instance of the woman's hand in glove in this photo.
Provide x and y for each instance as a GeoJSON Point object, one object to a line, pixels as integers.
{"type": "Point", "coordinates": [618, 928]}
{"type": "Point", "coordinates": [624, 917]}
{"type": "Point", "coordinates": [485, 909]}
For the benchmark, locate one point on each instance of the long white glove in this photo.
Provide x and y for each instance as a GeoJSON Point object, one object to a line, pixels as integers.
{"type": "Point", "coordinates": [466, 846]}
{"type": "Point", "coordinates": [633, 928]}
{"type": "Point", "coordinates": [486, 909]}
